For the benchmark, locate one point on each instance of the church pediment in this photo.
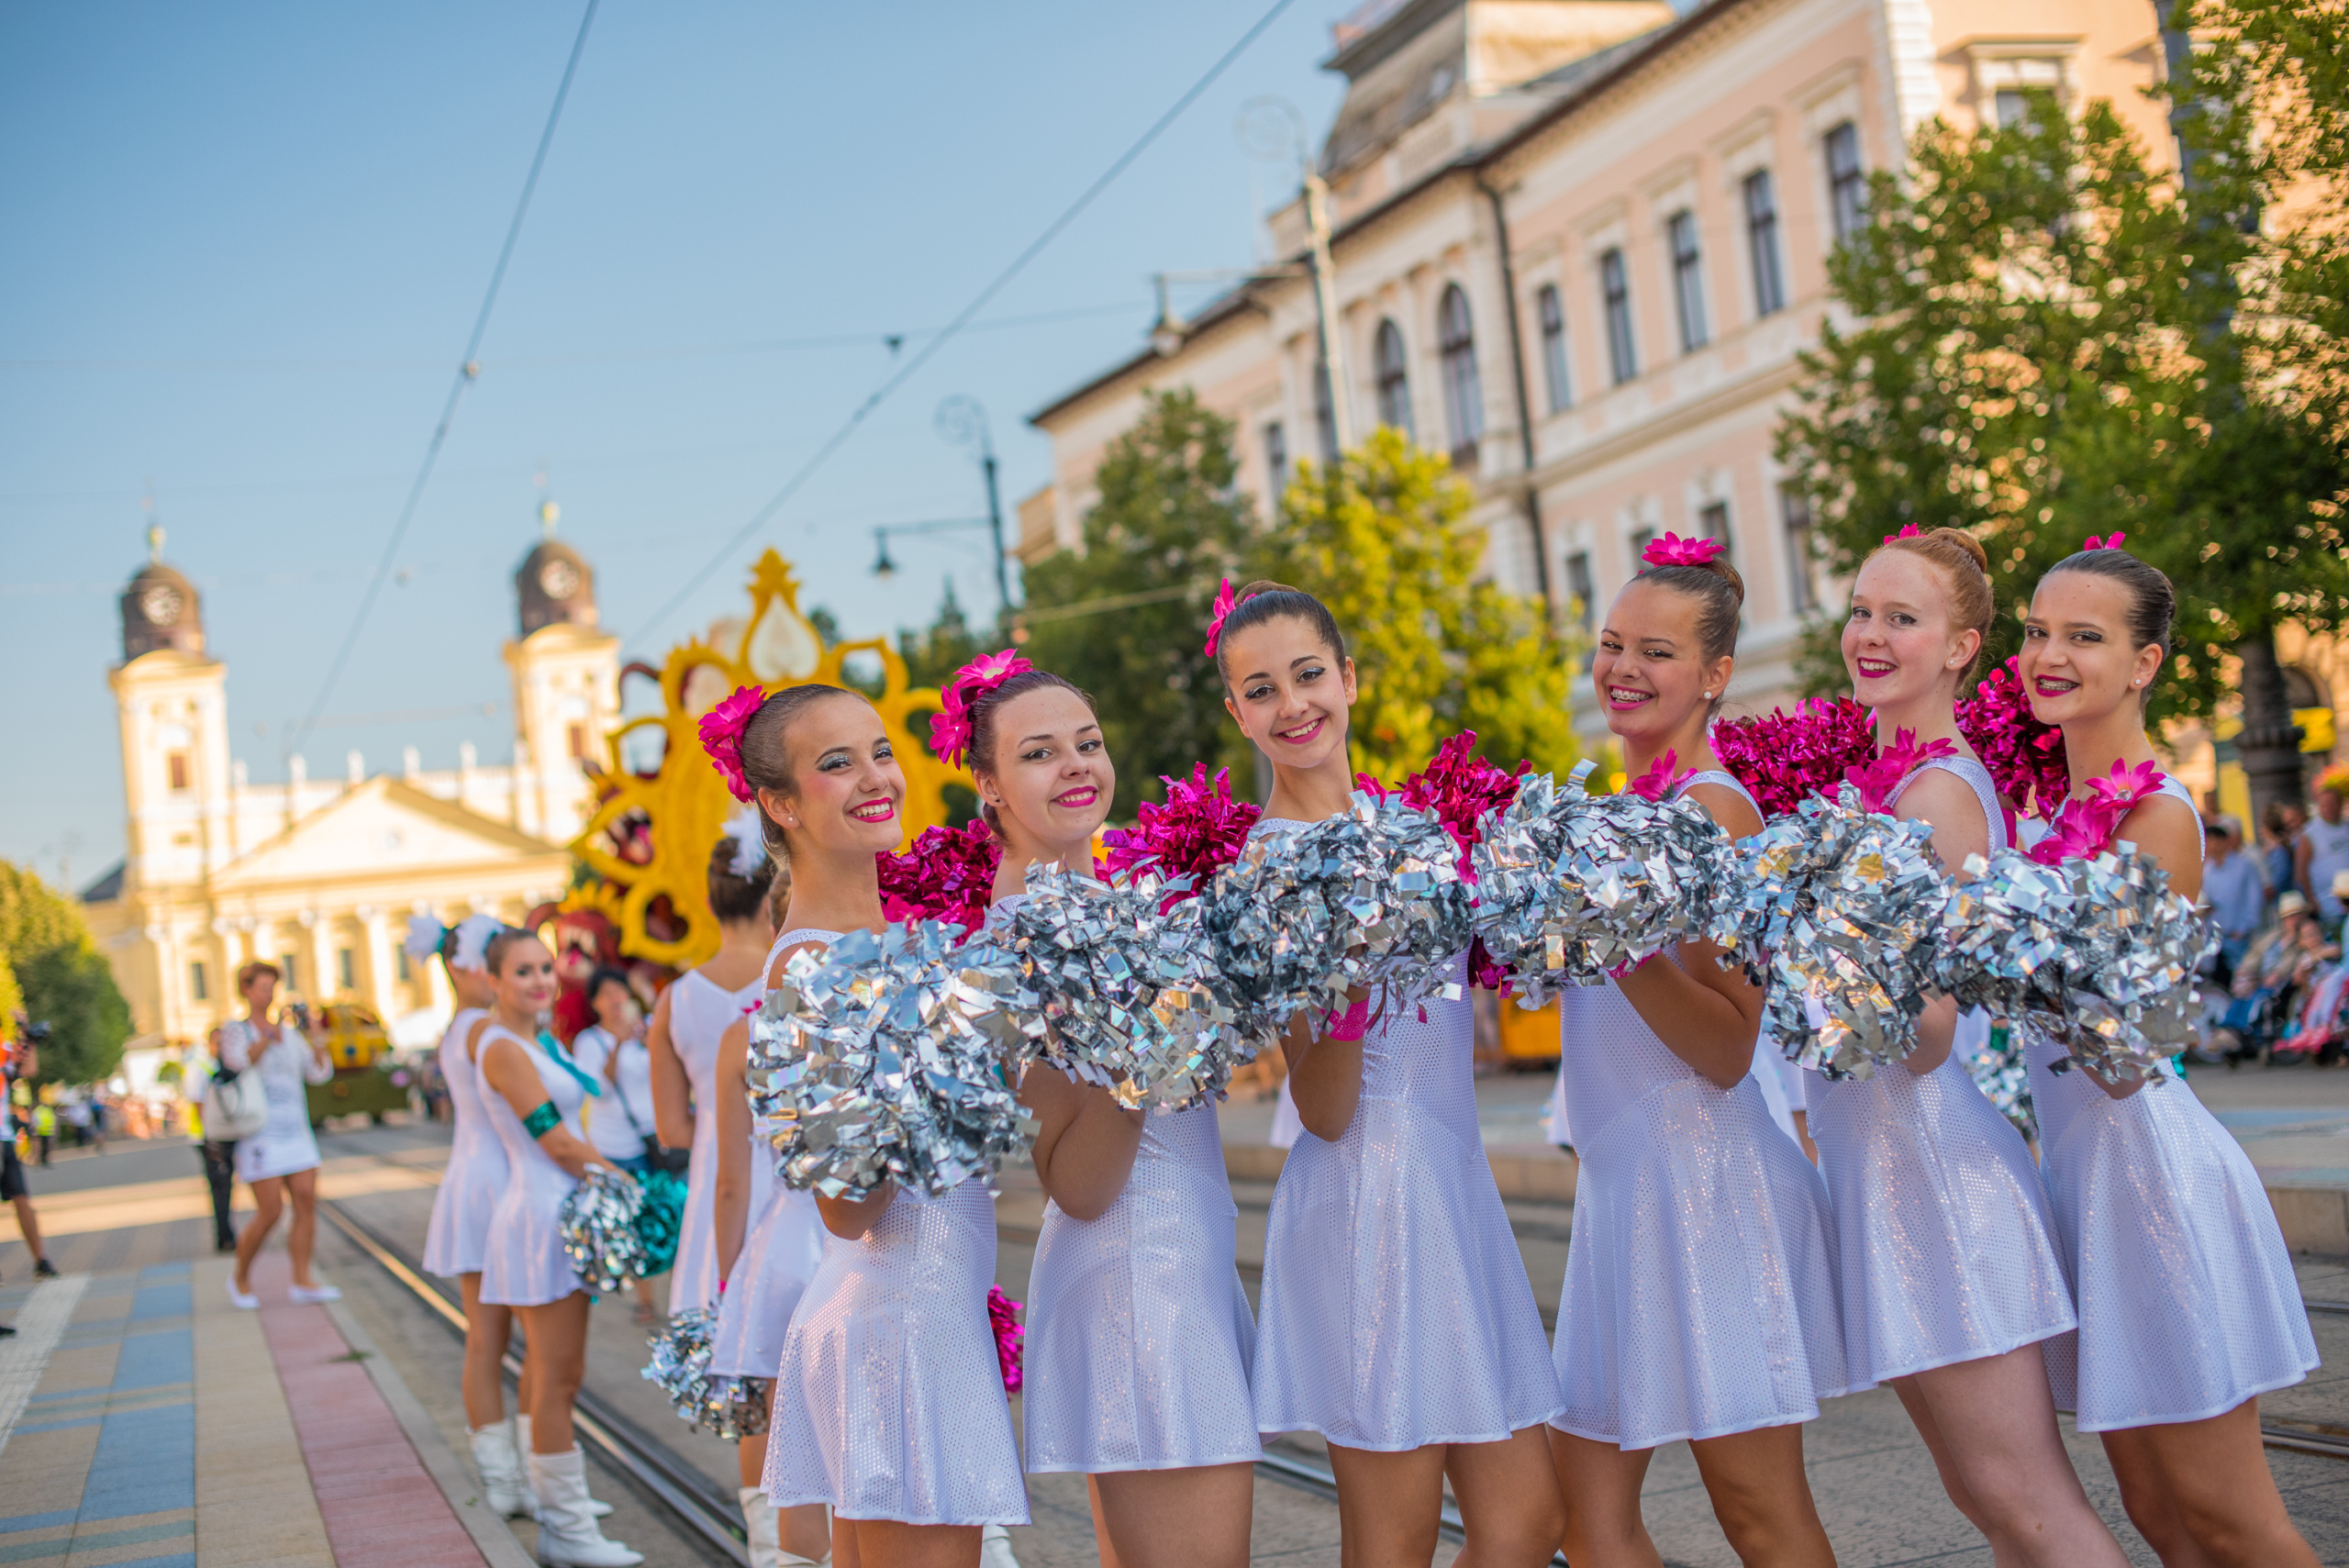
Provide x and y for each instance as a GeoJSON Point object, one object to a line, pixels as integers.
{"type": "Point", "coordinates": [380, 827]}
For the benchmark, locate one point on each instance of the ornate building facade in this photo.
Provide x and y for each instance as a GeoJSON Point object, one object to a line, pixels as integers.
{"type": "Point", "coordinates": [319, 875]}
{"type": "Point", "coordinates": [1580, 244]}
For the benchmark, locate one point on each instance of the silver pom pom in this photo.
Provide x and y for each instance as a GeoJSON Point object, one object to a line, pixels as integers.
{"type": "Point", "coordinates": [1370, 898]}
{"type": "Point", "coordinates": [2097, 953]}
{"type": "Point", "coordinates": [1574, 887]}
{"type": "Point", "coordinates": [727, 1408]}
{"type": "Point", "coordinates": [892, 1058]}
{"type": "Point", "coordinates": [1844, 910]}
{"type": "Point", "coordinates": [1130, 998]}
{"type": "Point", "coordinates": [597, 1223]}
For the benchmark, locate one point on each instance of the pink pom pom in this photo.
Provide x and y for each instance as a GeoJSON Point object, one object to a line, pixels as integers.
{"type": "Point", "coordinates": [1662, 777]}
{"type": "Point", "coordinates": [1198, 832]}
{"type": "Point", "coordinates": [948, 874]}
{"type": "Point", "coordinates": [1002, 1317]}
{"type": "Point", "coordinates": [1784, 757]}
{"type": "Point", "coordinates": [2025, 756]}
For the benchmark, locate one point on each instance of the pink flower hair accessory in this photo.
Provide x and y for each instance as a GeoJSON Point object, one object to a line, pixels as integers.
{"type": "Point", "coordinates": [1223, 607]}
{"type": "Point", "coordinates": [1908, 530]}
{"type": "Point", "coordinates": [721, 737]}
{"type": "Point", "coordinates": [2110, 541]}
{"type": "Point", "coordinates": [1674, 551]}
{"type": "Point", "coordinates": [951, 728]}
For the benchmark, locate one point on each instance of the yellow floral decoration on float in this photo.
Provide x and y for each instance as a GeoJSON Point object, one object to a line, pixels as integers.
{"type": "Point", "coordinates": [687, 802]}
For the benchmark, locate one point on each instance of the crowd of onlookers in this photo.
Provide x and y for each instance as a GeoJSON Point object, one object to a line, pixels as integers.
{"type": "Point", "coordinates": [2275, 987]}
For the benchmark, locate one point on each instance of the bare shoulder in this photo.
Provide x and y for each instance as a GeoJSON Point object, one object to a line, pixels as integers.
{"type": "Point", "coordinates": [775, 967]}
{"type": "Point", "coordinates": [1727, 806]}
{"type": "Point", "coordinates": [2166, 828]}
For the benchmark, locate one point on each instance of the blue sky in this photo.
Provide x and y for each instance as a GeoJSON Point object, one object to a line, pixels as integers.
{"type": "Point", "coordinates": [240, 248]}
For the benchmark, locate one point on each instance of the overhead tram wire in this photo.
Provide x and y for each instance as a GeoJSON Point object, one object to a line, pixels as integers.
{"type": "Point", "coordinates": [880, 394]}
{"type": "Point", "coordinates": [467, 370]}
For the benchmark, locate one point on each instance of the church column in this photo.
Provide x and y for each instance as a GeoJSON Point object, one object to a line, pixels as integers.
{"type": "Point", "coordinates": [320, 981]}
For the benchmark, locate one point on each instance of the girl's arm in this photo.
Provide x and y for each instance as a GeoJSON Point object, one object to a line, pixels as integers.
{"type": "Point", "coordinates": [672, 1094]}
{"type": "Point", "coordinates": [1084, 1150]}
{"type": "Point", "coordinates": [1325, 1069]}
{"type": "Point", "coordinates": [1707, 1016]}
{"type": "Point", "coordinates": [504, 1068]}
{"type": "Point", "coordinates": [317, 1067]}
{"type": "Point", "coordinates": [1950, 807]}
{"type": "Point", "coordinates": [732, 1194]}
{"type": "Point", "coordinates": [850, 1217]}
{"type": "Point", "coordinates": [235, 1045]}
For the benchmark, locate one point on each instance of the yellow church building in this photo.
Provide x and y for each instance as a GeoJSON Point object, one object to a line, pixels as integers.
{"type": "Point", "coordinates": [319, 874]}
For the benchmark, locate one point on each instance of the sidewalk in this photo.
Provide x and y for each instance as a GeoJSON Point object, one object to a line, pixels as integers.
{"type": "Point", "coordinates": [147, 1423]}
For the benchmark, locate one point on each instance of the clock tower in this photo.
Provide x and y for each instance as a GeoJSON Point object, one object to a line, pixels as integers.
{"type": "Point", "coordinates": [566, 685]}
{"type": "Point", "coordinates": [172, 700]}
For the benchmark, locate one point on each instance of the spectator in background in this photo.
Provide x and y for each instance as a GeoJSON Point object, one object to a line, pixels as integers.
{"type": "Point", "coordinates": [619, 1120]}
{"type": "Point", "coordinates": [44, 1128]}
{"type": "Point", "coordinates": [2321, 854]}
{"type": "Point", "coordinates": [18, 1061]}
{"type": "Point", "coordinates": [2230, 887]}
{"type": "Point", "coordinates": [2213, 816]}
{"type": "Point", "coordinates": [219, 1171]}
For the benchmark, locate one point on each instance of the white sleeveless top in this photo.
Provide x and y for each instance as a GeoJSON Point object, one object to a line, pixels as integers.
{"type": "Point", "coordinates": [700, 1012]}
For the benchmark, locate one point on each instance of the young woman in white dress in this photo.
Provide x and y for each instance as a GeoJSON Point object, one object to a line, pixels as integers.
{"type": "Point", "coordinates": [1396, 1319]}
{"type": "Point", "coordinates": [531, 1095]}
{"type": "Point", "coordinates": [1699, 1300]}
{"type": "Point", "coordinates": [619, 1121]}
{"type": "Point", "coordinates": [456, 1242]}
{"type": "Point", "coordinates": [281, 1161]}
{"type": "Point", "coordinates": [682, 1042]}
{"type": "Point", "coordinates": [2188, 1306]}
{"type": "Point", "coordinates": [889, 1402]}
{"type": "Point", "coordinates": [1137, 1334]}
{"type": "Point", "coordinates": [1952, 1284]}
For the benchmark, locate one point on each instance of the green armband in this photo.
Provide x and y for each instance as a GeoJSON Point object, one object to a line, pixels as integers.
{"type": "Point", "coordinates": [543, 1120]}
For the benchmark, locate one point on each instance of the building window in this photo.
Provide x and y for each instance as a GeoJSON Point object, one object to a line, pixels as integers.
{"type": "Point", "coordinates": [344, 969]}
{"type": "Point", "coordinates": [1762, 242]}
{"type": "Point", "coordinates": [1275, 454]}
{"type": "Point", "coordinates": [1847, 185]}
{"type": "Point", "coordinates": [399, 963]}
{"type": "Point", "coordinates": [1463, 399]}
{"type": "Point", "coordinates": [285, 967]}
{"type": "Point", "coordinates": [1584, 594]}
{"type": "Point", "coordinates": [1641, 539]}
{"type": "Point", "coordinates": [1712, 522]}
{"type": "Point", "coordinates": [578, 742]}
{"type": "Point", "coordinates": [1802, 584]}
{"type": "Point", "coordinates": [1394, 378]}
{"type": "Point", "coordinates": [199, 988]}
{"type": "Point", "coordinates": [1687, 280]}
{"type": "Point", "coordinates": [1552, 312]}
{"type": "Point", "coordinates": [1615, 291]}
{"type": "Point", "coordinates": [175, 766]}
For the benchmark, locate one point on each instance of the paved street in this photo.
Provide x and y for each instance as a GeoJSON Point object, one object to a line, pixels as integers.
{"type": "Point", "coordinates": [130, 1225]}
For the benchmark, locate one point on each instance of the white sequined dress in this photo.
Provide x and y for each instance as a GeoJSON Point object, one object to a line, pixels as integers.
{"type": "Point", "coordinates": [700, 1011]}
{"type": "Point", "coordinates": [890, 1401]}
{"type": "Point", "coordinates": [457, 1241]}
{"type": "Point", "coordinates": [525, 1266]}
{"type": "Point", "coordinates": [2188, 1305]}
{"type": "Point", "coordinates": [1947, 1250]}
{"type": "Point", "coordinates": [1700, 1292]}
{"type": "Point", "coordinates": [1395, 1310]}
{"type": "Point", "coordinates": [1139, 1335]}
{"type": "Point", "coordinates": [783, 1238]}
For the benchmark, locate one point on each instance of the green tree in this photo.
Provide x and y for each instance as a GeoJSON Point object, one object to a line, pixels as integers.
{"type": "Point", "coordinates": [933, 655]}
{"type": "Point", "coordinates": [1169, 522]}
{"type": "Point", "coordinates": [2042, 352]}
{"type": "Point", "coordinates": [1383, 543]}
{"type": "Point", "coordinates": [62, 979]}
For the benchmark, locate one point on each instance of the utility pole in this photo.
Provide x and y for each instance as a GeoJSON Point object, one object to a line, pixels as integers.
{"type": "Point", "coordinates": [1270, 129]}
{"type": "Point", "coordinates": [964, 421]}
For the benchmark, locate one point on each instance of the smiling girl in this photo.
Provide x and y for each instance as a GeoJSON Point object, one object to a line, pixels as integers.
{"type": "Point", "coordinates": [532, 1098]}
{"type": "Point", "coordinates": [1397, 1318]}
{"type": "Point", "coordinates": [889, 1402]}
{"type": "Point", "coordinates": [1950, 1275]}
{"type": "Point", "coordinates": [1700, 1298]}
{"type": "Point", "coordinates": [1138, 1334]}
{"type": "Point", "coordinates": [2188, 1306]}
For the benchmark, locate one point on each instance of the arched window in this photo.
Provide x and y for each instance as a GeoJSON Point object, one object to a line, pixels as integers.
{"type": "Point", "coordinates": [1394, 379]}
{"type": "Point", "coordinates": [1463, 399]}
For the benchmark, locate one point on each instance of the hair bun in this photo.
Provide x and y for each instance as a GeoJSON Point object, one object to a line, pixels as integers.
{"type": "Point", "coordinates": [1262, 585]}
{"type": "Point", "coordinates": [1966, 542]}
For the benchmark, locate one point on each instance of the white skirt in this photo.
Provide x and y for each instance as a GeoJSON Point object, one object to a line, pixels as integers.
{"type": "Point", "coordinates": [780, 1255]}
{"type": "Point", "coordinates": [2188, 1305]}
{"type": "Point", "coordinates": [527, 1266]}
{"type": "Point", "coordinates": [285, 1145]}
{"type": "Point", "coordinates": [1700, 1293]}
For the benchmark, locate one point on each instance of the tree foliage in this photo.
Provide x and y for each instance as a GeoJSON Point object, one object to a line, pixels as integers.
{"type": "Point", "coordinates": [2041, 351]}
{"type": "Point", "coordinates": [1169, 522]}
{"type": "Point", "coordinates": [61, 978]}
{"type": "Point", "coordinates": [1436, 650]}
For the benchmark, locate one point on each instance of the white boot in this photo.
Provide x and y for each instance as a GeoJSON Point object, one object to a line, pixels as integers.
{"type": "Point", "coordinates": [568, 1534]}
{"type": "Point", "coordinates": [994, 1548]}
{"type": "Point", "coordinates": [761, 1525]}
{"type": "Point", "coordinates": [502, 1484]}
{"type": "Point", "coordinates": [522, 1445]}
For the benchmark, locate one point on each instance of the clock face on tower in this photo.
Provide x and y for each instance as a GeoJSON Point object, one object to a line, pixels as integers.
{"type": "Point", "coordinates": [160, 604]}
{"type": "Point", "coordinates": [560, 578]}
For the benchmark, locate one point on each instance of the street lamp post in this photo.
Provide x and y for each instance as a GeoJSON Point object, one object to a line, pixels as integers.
{"type": "Point", "coordinates": [963, 420]}
{"type": "Point", "coordinates": [1270, 129]}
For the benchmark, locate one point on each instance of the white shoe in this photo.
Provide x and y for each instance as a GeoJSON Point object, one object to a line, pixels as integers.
{"type": "Point", "coordinates": [994, 1548]}
{"type": "Point", "coordinates": [568, 1534]}
{"type": "Point", "coordinates": [501, 1472]}
{"type": "Point", "coordinates": [522, 1446]}
{"type": "Point", "coordinates": [239, 1298]}
{"type": "Point", "coordinates": [311, 1293]}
